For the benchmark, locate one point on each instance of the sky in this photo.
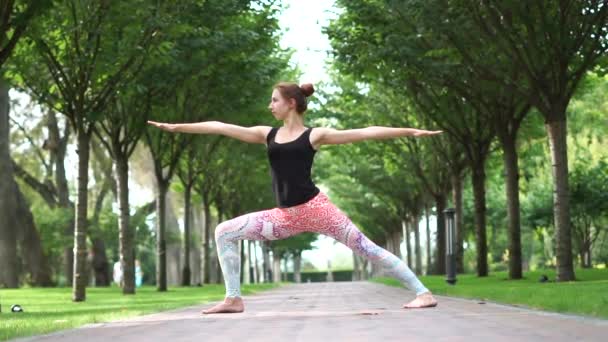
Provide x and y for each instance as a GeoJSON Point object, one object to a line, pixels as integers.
{"type": "Point", "coordinates": [302, 23]}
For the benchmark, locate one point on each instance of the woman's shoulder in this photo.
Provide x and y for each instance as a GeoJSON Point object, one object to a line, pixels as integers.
{"type": "Point", "coordinates": [318, 131]}
{"type": "Point", "coordinates": [316, 134]}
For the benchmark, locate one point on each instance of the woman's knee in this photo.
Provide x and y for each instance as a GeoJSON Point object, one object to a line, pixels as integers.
{"type": "Point", "coordinates": [364, 247]}
{"type": "Point", "coordinates": [221, 229]}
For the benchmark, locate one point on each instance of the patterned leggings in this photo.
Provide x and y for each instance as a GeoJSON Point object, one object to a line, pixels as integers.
{"type": "Point", "coordinates": [318, 215]}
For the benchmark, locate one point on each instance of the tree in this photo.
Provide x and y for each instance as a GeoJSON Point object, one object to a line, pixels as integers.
{"type": "Point", "coordinates": [238, 48]}
{"type": "Point", "coordinates": [122, 127]}
{"type": "Point", "coordinates": [85, 56]}
{"type": "Point", "coordinates": [293, 247]}
{"type": "Point", "coordinates": [416, 68]}
{"type": "Point", "coordinates": [590, 206]}
{"type": "Point", "coordinates": [15, 17]}
{"type": "Point", "coordinates": [554, 43]}
{"type": "Point", "coordinates": [8, 234]}
{"type": "Point", "coordinates": [198, 154]}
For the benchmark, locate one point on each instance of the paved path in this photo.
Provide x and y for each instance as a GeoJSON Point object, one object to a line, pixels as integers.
{"type": "Point", "coordinates": [331, 312]}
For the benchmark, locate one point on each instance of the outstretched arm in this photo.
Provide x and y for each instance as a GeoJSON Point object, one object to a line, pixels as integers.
{"type": "Point", "coordinates": [329, 136]}
{"type": "Point", "coordinates": [254, 135]}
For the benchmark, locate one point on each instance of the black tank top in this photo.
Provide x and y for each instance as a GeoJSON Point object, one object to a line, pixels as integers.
{"type": "Point", "coordinates": [290, 166]}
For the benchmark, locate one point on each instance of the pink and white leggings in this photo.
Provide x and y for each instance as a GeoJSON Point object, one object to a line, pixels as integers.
{"type": "Point", "coordinates": [318, 215]}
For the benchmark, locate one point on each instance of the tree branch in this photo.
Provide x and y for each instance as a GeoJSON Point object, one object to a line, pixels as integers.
{"type": "Point", "coordinates": [46, 191]}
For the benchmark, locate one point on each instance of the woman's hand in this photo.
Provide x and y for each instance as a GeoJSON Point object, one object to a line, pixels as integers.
{"type": "Point", "coordinates": [164, 126]}
{"type": "Point", "coordinates": [423, 133]}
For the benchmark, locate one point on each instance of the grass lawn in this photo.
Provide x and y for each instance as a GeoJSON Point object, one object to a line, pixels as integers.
{"type": "Point", "coordinates": [52, 309]}
{"type": "Point", "coordinates": [586, 296]}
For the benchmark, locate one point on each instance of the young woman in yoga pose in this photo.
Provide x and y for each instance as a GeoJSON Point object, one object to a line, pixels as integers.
{"type": "Point", "coordinates": [301, 206]}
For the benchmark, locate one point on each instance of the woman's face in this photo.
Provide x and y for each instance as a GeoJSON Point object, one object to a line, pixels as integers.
{"type": "Point", "coordinates": [279, 106]}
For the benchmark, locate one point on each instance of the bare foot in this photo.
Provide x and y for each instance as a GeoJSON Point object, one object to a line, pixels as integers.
{"type": "Point", "coordinates": [425, 300]}
{"type": "Point", "coordinates": [229, 305]}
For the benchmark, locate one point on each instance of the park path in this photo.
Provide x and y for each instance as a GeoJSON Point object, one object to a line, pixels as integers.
{"type": "Point", "coordinates": [344, 311]}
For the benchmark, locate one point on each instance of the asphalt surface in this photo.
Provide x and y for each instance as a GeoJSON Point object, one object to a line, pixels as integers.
{"type": "Point", "coordinates": [344, 311]}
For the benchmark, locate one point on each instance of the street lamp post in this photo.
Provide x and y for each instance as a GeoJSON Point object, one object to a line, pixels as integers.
{"type": "Point", "coordinates": [450, 255]}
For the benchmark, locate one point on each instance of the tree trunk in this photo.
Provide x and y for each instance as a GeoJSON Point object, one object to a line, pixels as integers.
{"type": "Point", "coordinates": [587, 257]}
{"type": "Point", "coordinates": [408, 246]}
{"type": "Point", "coordinates": [125, 235]}
{"type": "Point", "coordinates": [276, 268]}
{"type": "Point", "coordinates": [100, 263]}
{"type": "Point", "coordinates": [58, 146]}
{"type": "Point", "coordinates": [206, 246]}
{"type": "Point", "coordinates": [256, 270]}
{"type": "Point", "coordinates": [397, 239]}
{"type": "Point", "coordinates": [36, 263]}
{"type": "Point", "coordinates": [330, 274]}
{"type": "Point", "coordinates": [250, 261]}
{"type": "Point", "coordinates": [458, 221]}
{"type": "Point", "coordinates": [61, 184]}
{"type": "Point", "coordinates": [79, 281]}
{"type": "Point", "coordinates": [417, 244]}
{"type": "Point", "coordinates": [68, 255]}
{"type": "Point", "coordinates": [220, 275]}
{"type": "Point", "coordinates": [586, 260]}
{"type": "Point", "coordinates": [297, 267]}
{"type": "Point", "coordinates": [266, 262]}
{"type": "Point", "coordinates": [285, 271]}
{"type": "Point", "coordinates": [161, 243]}
{"type": "Point", "coordinates": [8, 236]}
{"type": "Point", "coordinates": [356, 268]}
{"type": "Point", "coordinates": [187, 224]}
{"type": "Point", "coordinates": [479, 194]}
{"type": "Point", "coordinates": [561, 201]}
{"type": "Point", "coordinates": [513, 207]}
{"type": "Point", "coordinates": [429, 263]}
{"type": "Point", "coordinates": [242, 252]}
{"type": "Point", "coordinates": [388, 239]}
{"type": "Point", "coordinates": [440, 203]}
{"type": "Point", "coordinates": [364, 268]}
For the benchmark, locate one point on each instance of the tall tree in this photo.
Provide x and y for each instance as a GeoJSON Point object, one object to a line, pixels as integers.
{"type": "Point", "coordinates": [239, 51]}
{"type": "Point", "coordinates": [379, 31]}
{"type": "Point", "coordinates": [554, 43]}
{"type": "Point", "coordinates": [15, 17]}
{"type": "Point", "coordinates": [120, 131]}
{"type": "Point", "coordinates": [85, 50]}
{"type": "Point", "coordinates": [190, 169]}
{"type": "Point", "coordinates": [8, 235]}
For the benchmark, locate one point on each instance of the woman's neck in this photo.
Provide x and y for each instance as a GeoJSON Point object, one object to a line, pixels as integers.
{"type": "Point", "coordinates": [293, 123]}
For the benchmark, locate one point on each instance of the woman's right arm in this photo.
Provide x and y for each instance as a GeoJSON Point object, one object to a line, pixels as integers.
{"type": "Point", "coordinates": [254, 135]}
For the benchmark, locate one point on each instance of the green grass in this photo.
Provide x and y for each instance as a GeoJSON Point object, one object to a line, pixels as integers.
{"type": "Point", "coordinates": [51, 309]}
{"type": "Point", "coordinates": [586, 296]}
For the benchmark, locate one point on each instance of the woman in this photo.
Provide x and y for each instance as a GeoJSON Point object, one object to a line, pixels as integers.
{"type": "Point", "coordinates": [301, 207]}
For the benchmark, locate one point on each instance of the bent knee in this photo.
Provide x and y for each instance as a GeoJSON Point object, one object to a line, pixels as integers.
{"type": "Point", "coordinates": [221, 229]}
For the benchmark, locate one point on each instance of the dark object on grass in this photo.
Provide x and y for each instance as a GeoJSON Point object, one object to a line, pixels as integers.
{"type": "Point", "coordinates": [543, 278]}
{"type": "Point", "coordinates": [16, 308]}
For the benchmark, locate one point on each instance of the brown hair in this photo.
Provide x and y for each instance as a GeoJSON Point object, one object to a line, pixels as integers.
{"type": "Point", "coordinates": [291, 90]}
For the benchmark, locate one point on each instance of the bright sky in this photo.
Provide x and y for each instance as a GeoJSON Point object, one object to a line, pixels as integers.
{"type": "Point", "coordinates": [303, 22]}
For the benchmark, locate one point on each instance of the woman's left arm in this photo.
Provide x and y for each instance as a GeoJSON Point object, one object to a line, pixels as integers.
{"type": "Point", "coordinates": [330, 136]}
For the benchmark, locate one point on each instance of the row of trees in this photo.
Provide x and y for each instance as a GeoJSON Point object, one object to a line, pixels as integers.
{"type": "Point", "coordinates": [108, 68]}
{"type": "Point", "coordinates": [475, 70]}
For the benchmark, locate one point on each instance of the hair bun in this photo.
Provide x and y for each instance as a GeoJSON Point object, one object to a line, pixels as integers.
{"type": "Point", "coordinates": [307, 89]}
